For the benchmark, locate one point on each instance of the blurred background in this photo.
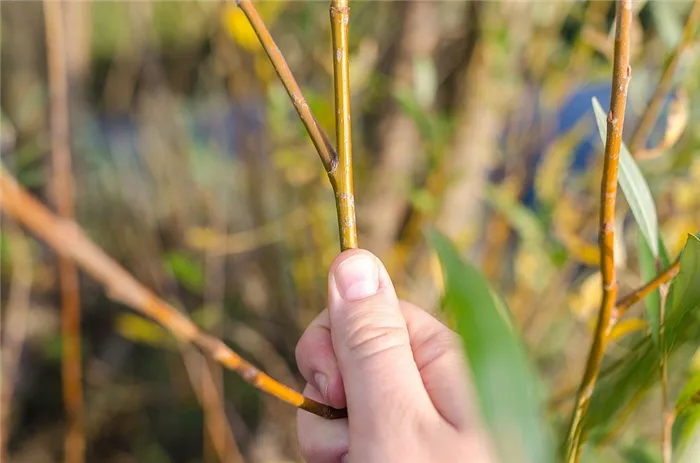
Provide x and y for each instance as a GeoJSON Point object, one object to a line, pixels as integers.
{"type": "Point", "coordinates": [193, 171]}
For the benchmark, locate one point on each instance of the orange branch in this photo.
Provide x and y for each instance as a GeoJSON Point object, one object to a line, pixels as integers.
{"type": "Point", "coordinates": [69, 240]}
{"type": "Point", "coordinates": [628, 301]}
{"type": "Point", "coordinates": [62, 188]}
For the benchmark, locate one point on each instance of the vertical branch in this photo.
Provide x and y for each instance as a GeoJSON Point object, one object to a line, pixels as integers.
{"type": "Point", "coordinates": [651, 115]}
{"type": "Point", "coordinates": [62, 189]}
{"type": "Point", "coordinates": [667, 414]}
{"type": "Point", "coordinates": [14, 325]}
{"type": "Point", "coordinates": [209, 395]}
{"type": "Point", "coordinates": [342, 177]}
{"type": "Point", "coordinates": [618, 100]}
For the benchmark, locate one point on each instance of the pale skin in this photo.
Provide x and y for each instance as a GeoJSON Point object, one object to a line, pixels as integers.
{"type": "Point", "coordinates": [398, 370]}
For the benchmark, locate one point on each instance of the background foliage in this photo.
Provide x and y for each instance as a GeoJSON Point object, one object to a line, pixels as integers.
{"type": "Point", "coordinates": [193, 171]}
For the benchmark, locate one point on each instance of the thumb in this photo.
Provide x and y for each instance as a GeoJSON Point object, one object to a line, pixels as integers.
{"type": "Point", "coordinates": [371, 342]}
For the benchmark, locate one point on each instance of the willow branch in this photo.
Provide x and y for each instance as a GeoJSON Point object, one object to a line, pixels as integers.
{"type": "Point", "coordinates": [618, 100]}
{"type": "Point", "coordinates": [62, 183]}
{"type": "Point", "coordinates": [67, 239]}
{"type": "Point", "coordinates": [342, 179]}
{"type": "Point", "coordinates": [629, 300]}
{"type": "Point", "coordinates": [318, 137]}
{"type": "Point", "coordinates": [338, 168]}
{"type": "Point", "coordinates": [651, 115]}
{"type": "Point", "coordinates": [14, 325]}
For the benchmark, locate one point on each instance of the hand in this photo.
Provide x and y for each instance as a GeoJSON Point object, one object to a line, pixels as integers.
{"type": "Point", "coordinates": [399, 371]}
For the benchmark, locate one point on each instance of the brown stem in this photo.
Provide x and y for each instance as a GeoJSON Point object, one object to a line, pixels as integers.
{"type": "Point", "coordinates": [629, 300]}
{"type": "Point", "coordinates": [651, 115]}
{"type": "Point", "coordinates": [616, 117]}
{"type": "Point", "coordinates": [14, 324]}
{"type": "Point", "coordinates": [318, 137]}
{"type": "Point", "coordinates": [341, 178]}
{"type": "Point", "coordinates": [63, 194]}
{"type": "Point", "coordinates": [68, 240]}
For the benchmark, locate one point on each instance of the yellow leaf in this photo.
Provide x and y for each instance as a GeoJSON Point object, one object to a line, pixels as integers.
{"type": "Point", "coordinates": [240, 29]}
{"type": "Point", "coordinates": [141, 330]}
{"type": "Point", "coordinates": [580, 249]}
{"type": "Point", "coordinates": [627, 326]}
{"type": "Point", "coordinates": [586, 301]}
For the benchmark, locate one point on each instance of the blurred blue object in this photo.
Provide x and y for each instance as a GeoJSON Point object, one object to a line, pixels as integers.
{"type": "Point", "coordinates": [571, 112]}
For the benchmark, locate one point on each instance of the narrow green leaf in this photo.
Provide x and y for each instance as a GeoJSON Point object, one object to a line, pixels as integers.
{"type": "Point", "coordinates": [689, 395]}
{"type": "Point", "coordinates": [652, 303]}
{"type": "Point", "coordinates": [685, 293]}
{"type": "Point", "coordinates": [506, 386]}
{"type": "Point", "coordinates": [634, 187]}
{"type": "Point", "coordinates": [686, 437]}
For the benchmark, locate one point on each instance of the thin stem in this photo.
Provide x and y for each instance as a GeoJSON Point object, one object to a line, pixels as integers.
{"type": "Point", "coordinates": [63, 194]}
{"type": "Point", "coordinates": [651, 115]}
{"type": "Point", "coordinates": [666, 413]}
{"type": "Point", "coordinates": [68, 240]}
{"type": "Point", "coordinates": [616, 117]}
{"type": "Point", "coordinates": [629, 300]}
{"type": "Point", "coordinates": [14, 324]}
{"type": "Point", "coordinates": [318, 137]}
{"type": "Point", "coordinates": [342, 178]}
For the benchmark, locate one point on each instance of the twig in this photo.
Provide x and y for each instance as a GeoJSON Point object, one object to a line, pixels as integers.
{"type": "Point", "coordinates": [651, 115]}
{"type": "Point", "coordinates": [338, 168]}
{"type": "Point", "coordinates": [209, 395]}
{"type": "Point", "coordinates": [64, 197]}
{"type": "Point", "coordinates": [616, 117]}
{"type": "Point", "coordinates": [667, 414]}
{"type": "Point", "coordinates": [14, 325]}
{"type": "Point", "coordinates": [211, 377]}
{"type": "Point", "coordinates": [629, 300]}
{"type": "Point", "coordinates": [342, 180]}
{"type": "Point", "coordinates": [318, 137]}
{"type": "Point", "coordinates": [66, 238]}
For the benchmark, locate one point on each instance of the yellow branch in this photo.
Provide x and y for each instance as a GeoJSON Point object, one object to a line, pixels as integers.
{"type": "Point", "coordinates": [618, 100]}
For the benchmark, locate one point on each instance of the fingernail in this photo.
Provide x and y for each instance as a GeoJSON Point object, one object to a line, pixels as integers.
{"type": "Point", "coordinates": [357, 277]}
{"type": "Point", "coordinates": [344, 458]}
{"type": "Point", "coordinates": [321, 384]}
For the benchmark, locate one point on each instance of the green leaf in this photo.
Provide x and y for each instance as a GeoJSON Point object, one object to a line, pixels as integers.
{"type": "Point", "coordinates": [686, 437]}
{"type": "Point", "coordinates": [634, 187]}
{"type": "Point", "coordinates": [635, 373]}
{"type": "Point", "coordinates": [506, 386]}
{"type": "Point", "coordinates": [186, 271]}
{"type": "Point", "coordinates": [667, 22]}
{"type": "Point", "coordinates": [652, 303]}
{"type": "Point", "coordinates": [689, 396]}
{"type": "Point", "coordinates": [684, 296]}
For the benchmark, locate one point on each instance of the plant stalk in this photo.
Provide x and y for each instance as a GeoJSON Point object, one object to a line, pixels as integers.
{"type": "Point", "coordinates": [342, 177]}
{"type": "Point", "coordinates": [618, 100]}
{"type": "Point", "coordinates": [63, 194]}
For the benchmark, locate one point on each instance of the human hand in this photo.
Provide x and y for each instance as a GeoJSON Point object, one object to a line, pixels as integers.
{"type": "Point", "coordinates": [399, 371]}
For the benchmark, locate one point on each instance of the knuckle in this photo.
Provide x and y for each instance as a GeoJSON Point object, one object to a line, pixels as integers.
{"type": "Point", "coordinates": [441, 344]}
{"type": "Point", "coordinates": [369, 334]}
